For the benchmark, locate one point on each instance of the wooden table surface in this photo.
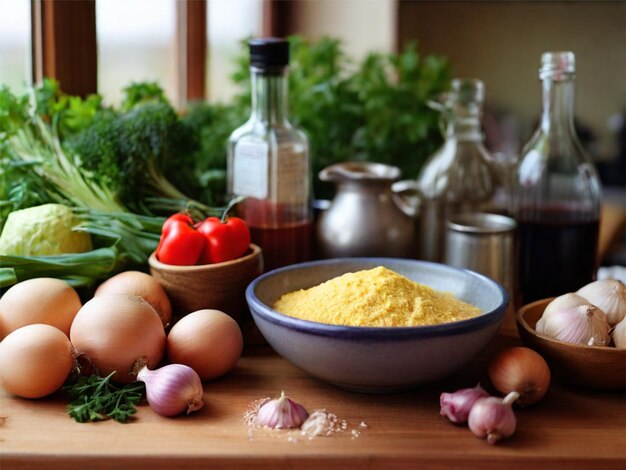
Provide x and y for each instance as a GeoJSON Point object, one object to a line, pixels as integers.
{"type": "Point", "coordinates": [569, 428]}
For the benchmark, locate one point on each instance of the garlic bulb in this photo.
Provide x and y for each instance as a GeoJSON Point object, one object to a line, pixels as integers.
{"type": "Point", "coordinates": [562, 302]}
{"type": "Point", "coordinates": [585, 324]}
{"type": "Point", "coordinates": [282, 413]}
{"type": "Point", "coordinates": [609, 295]}
{"type": "Point", "coordinates": [619, 334]}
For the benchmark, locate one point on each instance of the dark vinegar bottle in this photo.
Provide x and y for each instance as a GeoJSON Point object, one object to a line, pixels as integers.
{"type": "Point", "coordinates": [557, 194]}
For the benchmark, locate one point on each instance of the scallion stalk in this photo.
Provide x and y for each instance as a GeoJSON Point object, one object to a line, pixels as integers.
{"type": "Point", "coordinates": [78, 269]}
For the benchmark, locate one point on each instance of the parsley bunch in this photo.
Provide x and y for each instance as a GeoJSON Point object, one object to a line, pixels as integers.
{"type": "Point", "coordinates": [95, 398]}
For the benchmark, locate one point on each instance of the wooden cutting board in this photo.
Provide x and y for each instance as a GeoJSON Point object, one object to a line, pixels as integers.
{"type": "Point", "coordinates": [569, 428]}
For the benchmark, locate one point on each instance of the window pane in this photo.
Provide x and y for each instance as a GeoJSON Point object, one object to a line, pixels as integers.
{"type": "Point", "coordinates": [228, 23]}
{"type": "Point", "coordinates": [136, 42]}
{"type": "Point", "coordinates": [15, 44]}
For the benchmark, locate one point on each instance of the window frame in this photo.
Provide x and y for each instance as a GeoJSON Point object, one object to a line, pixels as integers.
{"type": "Point", "coordinates": [64, 43]}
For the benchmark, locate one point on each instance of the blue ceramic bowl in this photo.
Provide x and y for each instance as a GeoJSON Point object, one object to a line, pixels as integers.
{"type": "Point", "coordinates": [377, 359]}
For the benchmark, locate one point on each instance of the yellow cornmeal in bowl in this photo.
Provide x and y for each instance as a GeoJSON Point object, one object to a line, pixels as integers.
{"type": "Point", "coordinates": [374, 297]}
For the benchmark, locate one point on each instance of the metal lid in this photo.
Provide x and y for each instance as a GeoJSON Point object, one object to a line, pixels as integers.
{"type": "Point", "coordinates": [483, 223]}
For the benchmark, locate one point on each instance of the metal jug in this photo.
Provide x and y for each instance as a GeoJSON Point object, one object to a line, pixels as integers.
{"type": "Point", "coordinates": [366, 218]}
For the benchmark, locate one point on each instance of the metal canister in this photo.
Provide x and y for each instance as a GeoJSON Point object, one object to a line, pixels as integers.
{"type": "Point", "coordinates": [484, 243]}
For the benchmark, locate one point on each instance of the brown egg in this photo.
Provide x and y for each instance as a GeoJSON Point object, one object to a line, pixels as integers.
{"type": "Point", "coordinates": [41, 300]}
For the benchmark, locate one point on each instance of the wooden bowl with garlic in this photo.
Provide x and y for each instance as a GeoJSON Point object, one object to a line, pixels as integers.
{"type": "Point", "coordinates": [600, 367]}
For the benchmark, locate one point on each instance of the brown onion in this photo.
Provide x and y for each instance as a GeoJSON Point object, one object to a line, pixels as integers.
{"type": "Point", "coordinates": [142, 285]}
{"type": "Point", "coordinates": [520, 370]}
{"type": "Point", "coordinates": [40, 300]}
{"type": "Point", "coordinates": [35, 361]}
{"type": "Point", "coordinates": [208, 341]}
{"type": "Point", "coordinates": [119, 333]}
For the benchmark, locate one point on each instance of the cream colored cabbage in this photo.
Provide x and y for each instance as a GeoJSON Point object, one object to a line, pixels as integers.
{"type": "Point", "coordinates": [49, 229]}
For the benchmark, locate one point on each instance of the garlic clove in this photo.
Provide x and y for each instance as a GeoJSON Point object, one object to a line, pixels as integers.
{"type": "Point", "coordinates": [585, 324]}
{"type": "Point", "coordinates": [172, 389]}
{"type": "Point", "coordinates": [609, 295]}
{"type": "Point", "coordinates": [562, 302]}
{"type": "Point", "coordinates": [539, 327]}
{"type": "Point", "coordinates": [619, 334]}
{"type": "Point", "coordinates": [493, 418]}
{"type": "Point", "coordinates": [456, 406]}
{"type": "Point", "coordinates": [281, 413]}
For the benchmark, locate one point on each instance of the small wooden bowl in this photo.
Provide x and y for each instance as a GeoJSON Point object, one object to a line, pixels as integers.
{"type": "Point", "coordinates": [592, 367]}
{"type": "Point", "coordinates": [220, 286]}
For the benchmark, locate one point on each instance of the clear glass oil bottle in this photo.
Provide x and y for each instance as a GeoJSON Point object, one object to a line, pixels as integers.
{"type": "Point", "coordinates": [268, 162]}
{"type": "Point", "coordinates": [557, 194]}
{"type": "Point", "coordinates": [460, 177]}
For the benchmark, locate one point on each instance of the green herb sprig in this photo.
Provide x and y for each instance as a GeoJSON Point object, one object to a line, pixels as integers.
{"type": "Point", "coordinates": [95, 398]}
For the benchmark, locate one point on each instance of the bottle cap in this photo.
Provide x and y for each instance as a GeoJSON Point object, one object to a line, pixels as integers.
{"type": "Point", "coordinates": [557, 65]}
{"type": "Point", "coordinates": [269, 53]}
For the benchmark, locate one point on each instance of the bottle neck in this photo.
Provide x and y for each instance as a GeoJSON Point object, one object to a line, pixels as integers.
{"type": "Point", "coordinates": [558, 105]}
{"type": "Point", "coordinates": [269, 95]}
{"type": "Point", "coordinates": [465, 129]}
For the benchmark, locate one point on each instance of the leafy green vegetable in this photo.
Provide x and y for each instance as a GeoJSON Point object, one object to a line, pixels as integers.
{"type": "Point", "coordinates": [95, 398]}
{"type": "Point", "coordinates": [212, 125]}
{"type": "Point", "coordinates": [49, 229]}
{"type": "Point", "coordinates": [131, 152]}
{"type": "Point", "coordinates": [20, 187]}
{"type": "Point", "coordinates": [96, 157]}
{"type": "Point", "coordinates": [142, 92]}
{"type": "Point", "coordinates": [124, 241]}
{"type": "Point", "coordinates": [72, 113]}
{"type": "Point", "coordinates": [38, 144]}
{"type": "Point", "coordinates": [13, 112]}
{"type": "Point", "coordinates": [135, 236]}
{"type": "Point", "coordinates": [78, 269]}
{"type": "Point", "coordinates": [399, 128]}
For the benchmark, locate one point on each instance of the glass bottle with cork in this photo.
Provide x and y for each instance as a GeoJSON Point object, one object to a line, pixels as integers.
{"type": "Point", "coordinates": [268, 162]}
{"type": "Point", "coordinates": [461, 176]}
{"type": "Point", "coordinates": [557, 193]}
